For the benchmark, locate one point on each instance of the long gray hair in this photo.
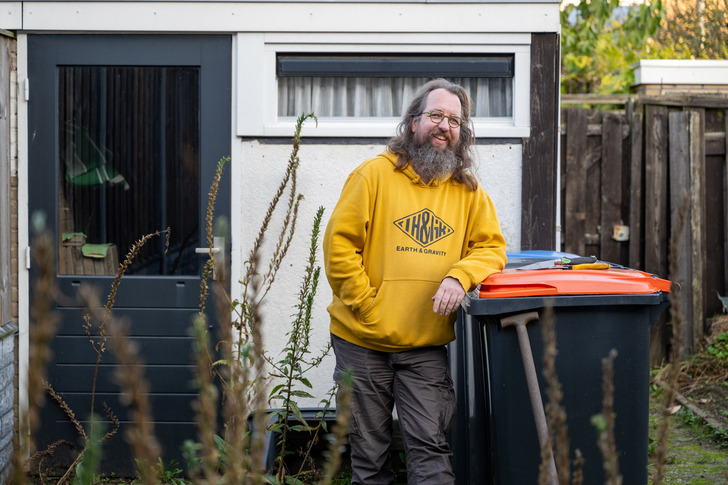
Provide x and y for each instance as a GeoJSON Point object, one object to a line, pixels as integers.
{"type": "Point", "coordinates": [401, 141]}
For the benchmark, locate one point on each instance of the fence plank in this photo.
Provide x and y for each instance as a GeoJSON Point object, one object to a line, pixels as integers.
{"type": "Point", "coordinates": [697, 217]}
{"type": "Point", "coordinates": [680, 239]}
{"type": "Point", "coordinates": [593, 200]}
{"type": "Point", "coordinates": [715, 215]}
{"type": "Point", "coordinates": [611, 186]}
{"type": "Point", "coordinates": [655, 189]}
{"type": "Point", "coordinates": [636, 203]}
{"type": "Point", "coordinates": [574, 205]}
{"type": "Point", "coordinates": [656, 213]}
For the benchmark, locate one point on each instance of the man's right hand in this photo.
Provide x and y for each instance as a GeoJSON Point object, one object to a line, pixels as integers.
{"type": "Point", "coordinates": [448, 297]}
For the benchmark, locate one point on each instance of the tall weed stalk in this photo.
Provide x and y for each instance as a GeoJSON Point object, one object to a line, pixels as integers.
{"type": "Point", "coordinates": [295, 364]}
{"type": "Point", "coordinates": [343, 416]}
{"type": "Point", "coordinates": [555, 412]}
{"type": "Point", "coordinates": [605, 422]}
{"type": "Point", "coordinates": [207, 403]}
{"type": "Point", "coordinates": [241, 368]}
{"type": "Point", "coordinates": [676, 317]}
{"type": "Point", "coordinates": [43, 323]}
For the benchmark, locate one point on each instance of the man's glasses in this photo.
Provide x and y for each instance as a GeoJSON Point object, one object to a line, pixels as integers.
{"type": "Point", "coordinates": [436, 116]}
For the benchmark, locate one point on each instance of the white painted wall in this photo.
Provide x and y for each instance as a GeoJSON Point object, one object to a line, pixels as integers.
{"type": "Point", "coordinates": [324, 167]}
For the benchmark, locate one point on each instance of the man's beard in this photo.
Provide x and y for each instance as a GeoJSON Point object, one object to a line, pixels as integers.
{"type": "Point", "coordinates": [431, 163]}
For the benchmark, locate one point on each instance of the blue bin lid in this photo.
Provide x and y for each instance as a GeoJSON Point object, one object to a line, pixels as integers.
{"type": "Point", "coordinates": [522, 258]}
{"type": "Point", "coordinates": [540, 254]}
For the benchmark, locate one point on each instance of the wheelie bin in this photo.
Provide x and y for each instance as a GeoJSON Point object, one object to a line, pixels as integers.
{"type": "Point", "coordinates": [495, 438]}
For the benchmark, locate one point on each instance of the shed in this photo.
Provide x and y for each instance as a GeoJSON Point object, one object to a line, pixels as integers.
{"type": "Point", "coordinates": [121, 110]}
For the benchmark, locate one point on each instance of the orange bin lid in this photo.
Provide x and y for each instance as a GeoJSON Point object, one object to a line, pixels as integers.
{"type": "Point", "coordinates": [542, 282]}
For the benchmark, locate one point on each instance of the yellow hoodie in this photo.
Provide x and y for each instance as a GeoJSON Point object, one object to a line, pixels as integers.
{"type": "Point", "coordinates": [389, 243]}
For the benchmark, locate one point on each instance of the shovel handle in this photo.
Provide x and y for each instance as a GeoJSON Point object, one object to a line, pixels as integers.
{"type": "Point", "coordinates": [520, 321]}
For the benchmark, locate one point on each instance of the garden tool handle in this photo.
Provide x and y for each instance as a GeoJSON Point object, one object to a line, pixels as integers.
{"type": "Point", "coordinates": [520, 321]}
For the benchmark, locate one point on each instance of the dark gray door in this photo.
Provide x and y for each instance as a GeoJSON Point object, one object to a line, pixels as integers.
{"type": "Point", "coordinates": [125, 135]}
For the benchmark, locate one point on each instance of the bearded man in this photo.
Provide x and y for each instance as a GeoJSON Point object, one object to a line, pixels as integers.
{"type": "Point", "coordinates": [412, 232]}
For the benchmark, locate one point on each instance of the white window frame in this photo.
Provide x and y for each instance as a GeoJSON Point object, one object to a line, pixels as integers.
{"type": "Point", "coordinates": [256, 83]}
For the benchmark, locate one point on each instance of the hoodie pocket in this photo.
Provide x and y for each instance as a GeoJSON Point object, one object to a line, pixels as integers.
{"type": "Point", "coordinates": [401, 316]}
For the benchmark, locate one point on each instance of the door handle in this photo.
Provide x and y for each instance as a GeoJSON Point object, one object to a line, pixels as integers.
{"type": "Point", "coordinates": [218, 249]}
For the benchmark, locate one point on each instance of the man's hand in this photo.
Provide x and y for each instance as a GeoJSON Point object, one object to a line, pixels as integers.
{"type": "Point", "coordinates": [448, 297]}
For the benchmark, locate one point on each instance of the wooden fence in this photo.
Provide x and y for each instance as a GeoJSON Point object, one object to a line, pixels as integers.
{"type": "Point", "coordinates": [658, 168]}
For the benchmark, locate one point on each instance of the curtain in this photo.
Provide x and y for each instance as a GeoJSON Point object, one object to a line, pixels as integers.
{"type": "Point", "coordinates": [348, 97]}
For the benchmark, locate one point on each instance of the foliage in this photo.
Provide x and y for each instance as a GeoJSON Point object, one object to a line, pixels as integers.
{"type": "Point", "coordinates": [165, 474]}
{"type": "Point", "coordinates": [719, 347]}
{"type": "Point", "coordinates": [695, 29]}
{"type": "Point", "coordinates": [717, 433]}
{"type": "Point", "coordinates": [87, 469]}
{"type": "Point", "coordinates": [601, 41]}
{"type": "Point", "coordinates": [295, 363]}
{"type": "Point", "coordinates": [599, 46]}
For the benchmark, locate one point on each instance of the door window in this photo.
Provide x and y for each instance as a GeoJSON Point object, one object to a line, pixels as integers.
{"type": "Point", "coordinates": [129, 152]}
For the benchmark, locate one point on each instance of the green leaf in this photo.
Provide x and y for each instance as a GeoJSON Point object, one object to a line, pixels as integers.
{"type": "Point", "coordinates": [276, 389]}
{"type": "Point", "coordinates": [297, 413]}
{"type": "Point", "coordinates": [599, 422]}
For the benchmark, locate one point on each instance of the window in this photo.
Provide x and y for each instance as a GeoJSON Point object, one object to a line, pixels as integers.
{"type": "Point", "coordinates": [359, 86]}
{"type": "Point", "coordinates": [351, 86]}
{"type": "Point", "coordinates": [129, 149]}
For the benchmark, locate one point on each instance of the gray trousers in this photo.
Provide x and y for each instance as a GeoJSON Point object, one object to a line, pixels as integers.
{"type": "Point", "coordinates": [418, 383]}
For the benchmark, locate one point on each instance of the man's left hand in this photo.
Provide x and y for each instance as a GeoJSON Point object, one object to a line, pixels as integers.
{"type": "Point", "coordinates": [448, 297]}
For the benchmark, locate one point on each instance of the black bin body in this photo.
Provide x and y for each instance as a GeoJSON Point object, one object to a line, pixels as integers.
{"type": "Point", "coordinates": [494, 438]}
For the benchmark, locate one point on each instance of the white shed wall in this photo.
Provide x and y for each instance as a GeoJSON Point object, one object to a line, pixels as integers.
{"type": "Point", "coordinates": [257, 173]}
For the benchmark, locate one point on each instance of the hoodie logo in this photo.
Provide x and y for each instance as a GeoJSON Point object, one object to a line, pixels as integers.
{"type": "Point", "coordinates": [424, 227]}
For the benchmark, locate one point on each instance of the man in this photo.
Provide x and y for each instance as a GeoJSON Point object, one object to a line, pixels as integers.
{"type": "Point", "coordinates": [411, 233]}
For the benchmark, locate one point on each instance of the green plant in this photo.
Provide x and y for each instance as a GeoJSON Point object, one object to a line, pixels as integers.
{"type": "Point", "coordinates": [169, 475]}
{"type": "Point", "coordinates": [599, 48]}
{"type": "Point", "coordinates": [291, 369]}
{"type": "Point", "coordinates": [165, 474]}
{"type": "Point", "coordinates": [237, 452]}
{"type": "Point", "coordinates": [718, 434]}
{"type": "Point", "coordinates": [719, 347]}
{"type": "Point", "coordinates": [695, 29]}
{"type": "Point", "coordinates": [87, 469]}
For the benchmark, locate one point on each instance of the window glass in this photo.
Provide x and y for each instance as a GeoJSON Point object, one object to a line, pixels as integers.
{"type": "Point", "coordinates": [383, 86]}
{"type": "Point", "coordinates": [129, 165]}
